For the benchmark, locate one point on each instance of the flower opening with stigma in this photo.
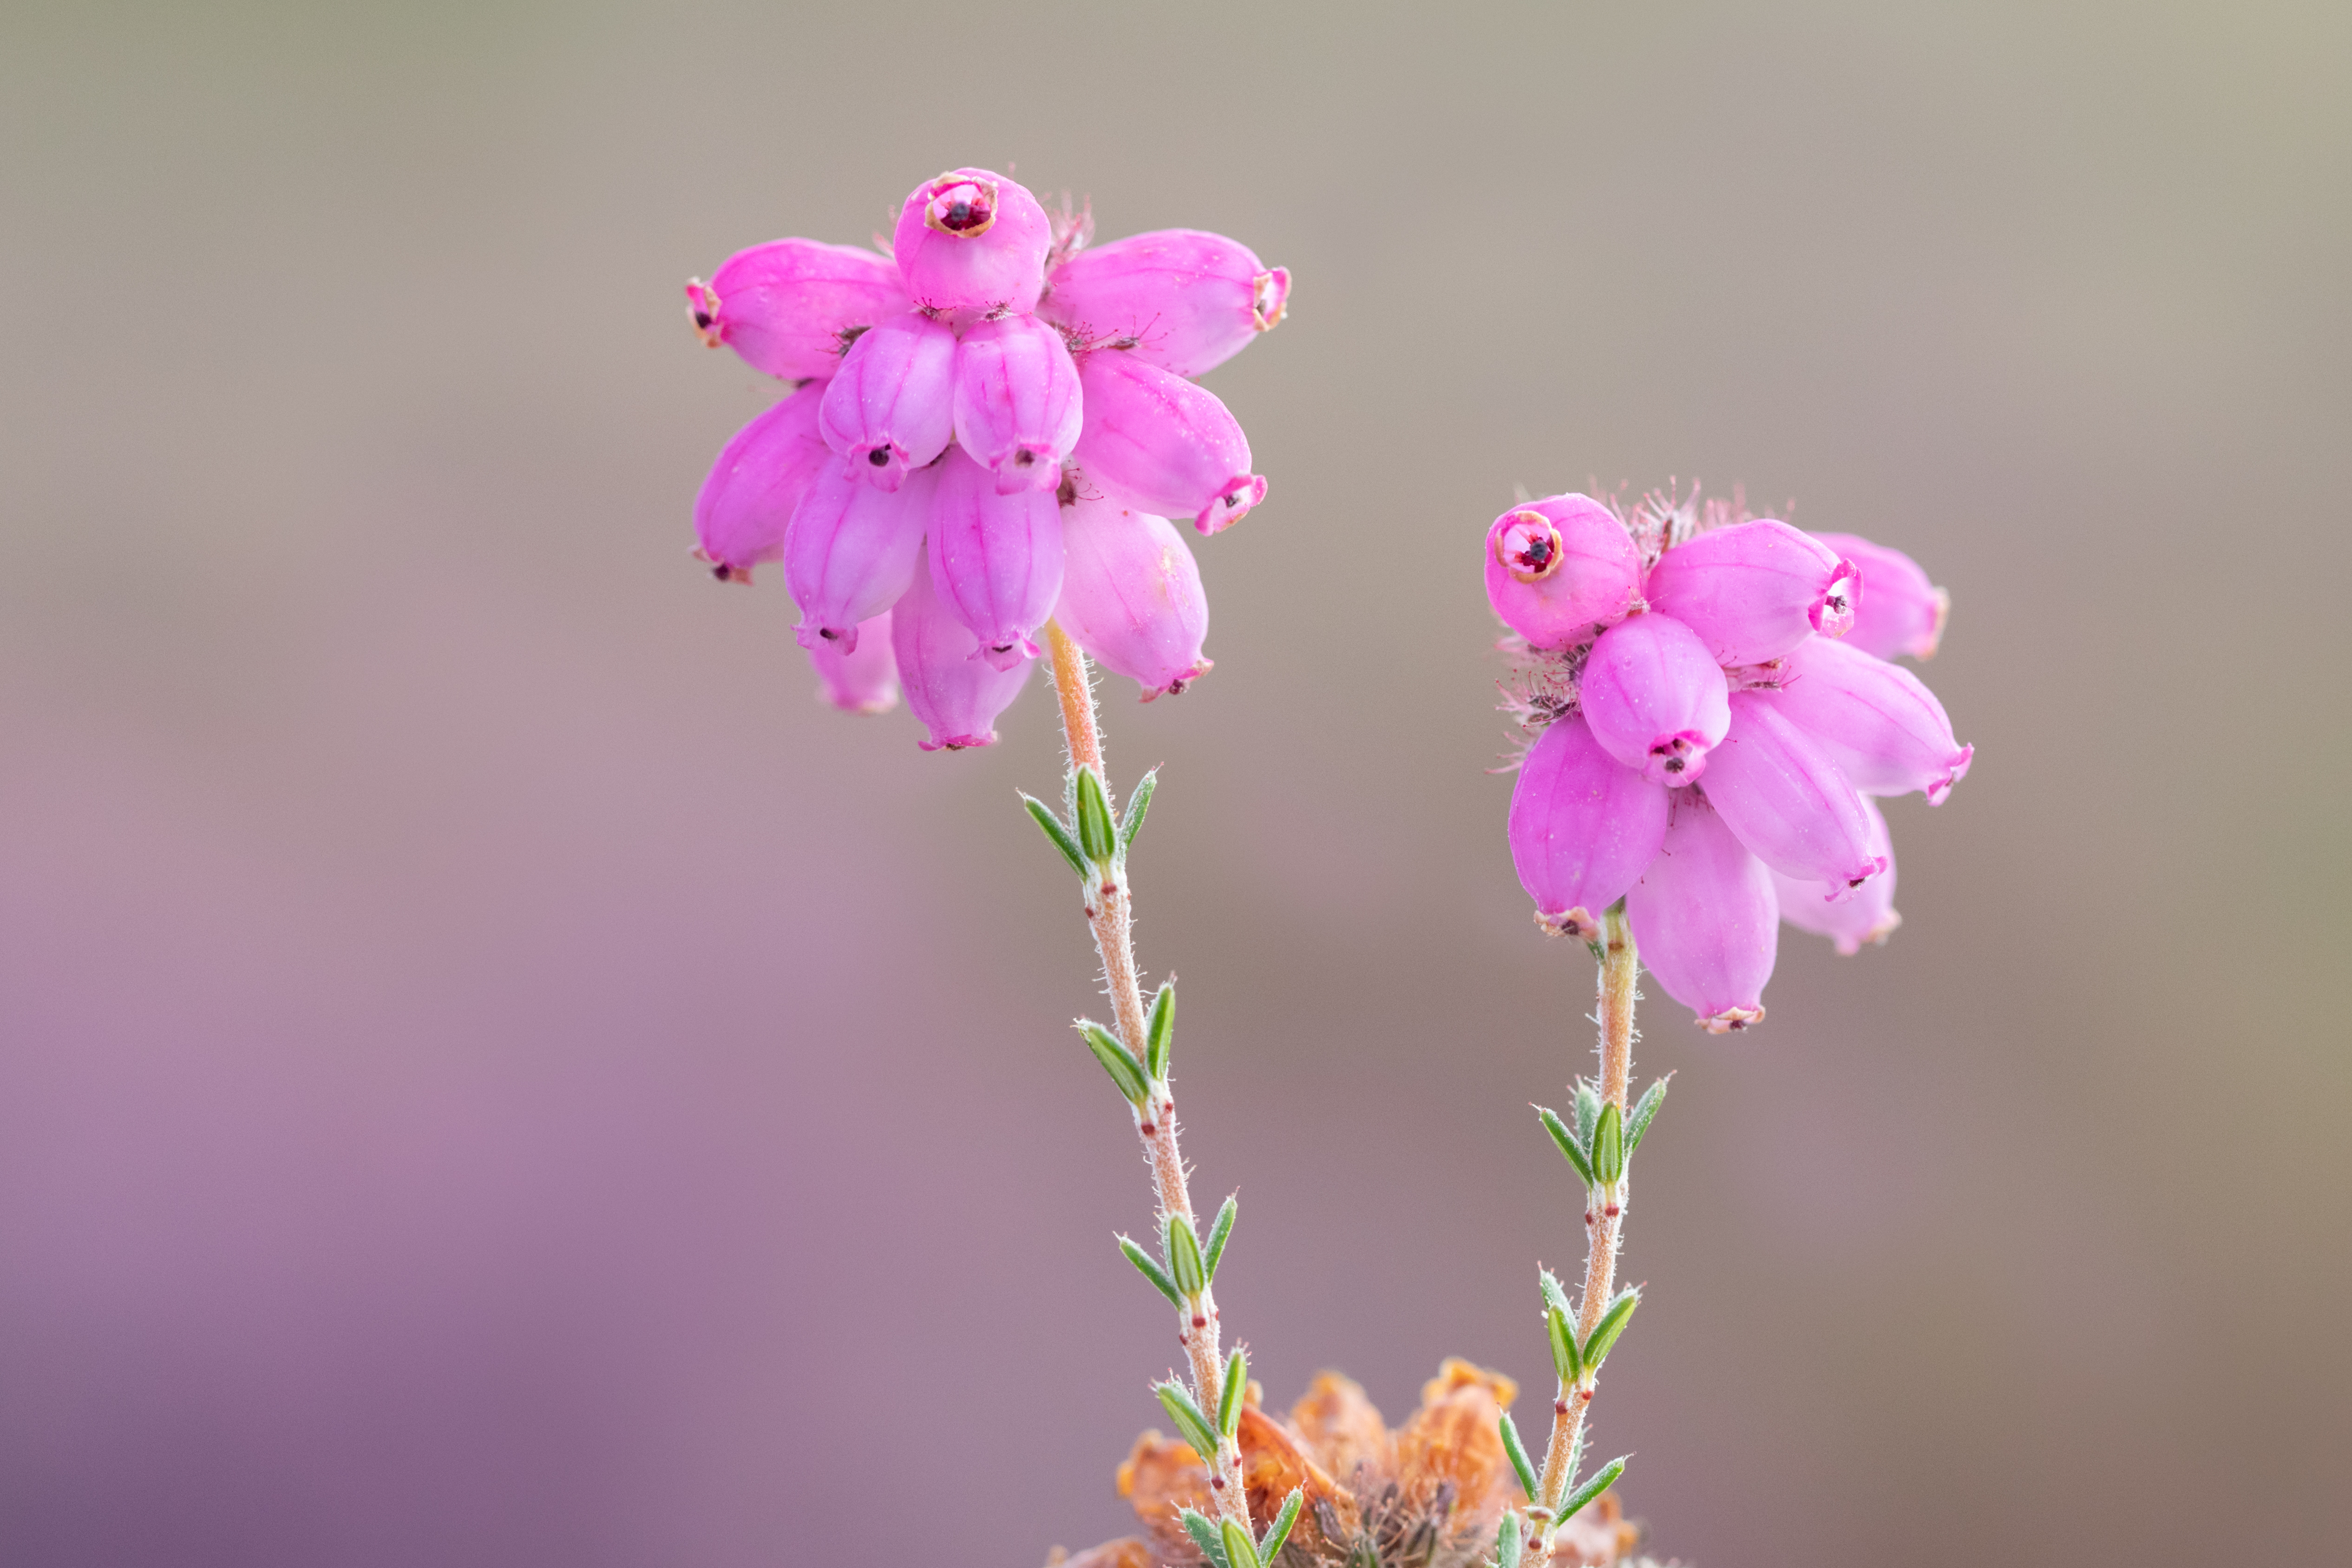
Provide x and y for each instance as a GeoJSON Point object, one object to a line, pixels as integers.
{"type": "Point", "coordinates": [989, 426]}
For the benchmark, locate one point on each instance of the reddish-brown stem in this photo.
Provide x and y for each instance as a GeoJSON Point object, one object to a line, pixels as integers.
{"type": "Point", "coordinates": [1110, 911]}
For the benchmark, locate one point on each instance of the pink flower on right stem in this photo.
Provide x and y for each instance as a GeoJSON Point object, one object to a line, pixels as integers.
{"type": "Point", "coordinates": [1705, 747]}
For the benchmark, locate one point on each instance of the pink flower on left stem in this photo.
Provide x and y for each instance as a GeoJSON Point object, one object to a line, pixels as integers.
{"type": "Point", "coordinates": [1707, 747]}
{"type": "Point", "coordinates": [993, 426]}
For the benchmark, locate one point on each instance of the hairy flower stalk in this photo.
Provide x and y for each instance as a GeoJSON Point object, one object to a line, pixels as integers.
{"type": "Point", "coordinates": [1110, 914]}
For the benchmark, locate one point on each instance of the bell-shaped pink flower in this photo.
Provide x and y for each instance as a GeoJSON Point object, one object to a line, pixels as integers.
{"type": "Point", "coordinates": [789, 306]}
{"type": "Point", "coordinates": [1132, 595]}
{"type": "Point", "coordinates": [1559, 569]}
{"type": "Point", "coordinates": [995, 559]}
{"type": "Point", "coordinates": [1584, 827]}
{"type": "Point", "coordinates": [1706, 919]}
{"type": "Point", "coordinates": [1162, 444]}
{"type": "Point", "coordinates": [973, 240]}
{"type": "Point", "coordinates": [1755, 590]}
{"type": "Point", "coordinates": [892, 409]}
{"type": "Point", "coordinates": [1016, 401]}
{"type": "Point", "coordinates": [760, 475]}
{"type": "Point", "coordinates": [1655, 702]}
{"type": "Point", "coordinates": [1903, 612]}
{"type": "Point", "coordinates": [1877, 721]}
{"type": "Point", "coordinates": [851, 550]}
{"type": "Point", "coordinates": [956, 695]}
{"type": "Point", "coordinates": [1868, 916]}
{"type": "Point", "coordinates": [1782, 794]}
{"type": "Point", "coordinates": [1187, 302]}
{"type": "Point", "coordinates": [861, 678]}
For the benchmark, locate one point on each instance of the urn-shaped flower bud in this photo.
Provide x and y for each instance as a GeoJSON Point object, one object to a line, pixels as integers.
{"type": "Point", "coordinates": [973, 240]}
{"type": "Point", "coordinates": [862, 679]}
{"type": "Point", "coordinates": [1755, 590]}
{"type": "Point", "coordinates": [892, 409]}
{"type": "Point", "coordinates": [1782, 794]}
{"type": "Point", "coordinates": [1559, 569]}
{"type": "Point", "coordinates": [1582, 828]}
{"type": "Point", "coordinates": [851, 551]}
{"type": "Point", "coordinates": [1655, 702]}
{"type": "Point", "coordinates": [1868, 916]}
{"type": "Point", "coordinates": [956, 695]}
{"type": "Point", "coordinates": [1016, 401]}
{"type": "Point", "coordinates": [1903, 612]}
{"type": "Point", "coordinates": [1706, 919]}
{"type": "Point", "coordinates": [788, 306]}
{"type": "Point", "coordinates": [747, 503]}
{"type": "Point", "coordinates": [1187, 300]}
{"type": "Point", "coordinates": [995, 559]}
{"type": "Point", "coordinates": [1877, 721]}
{"type": "Point", "coordinates": [1132, 595]}
{"type": "Point", "coordinates": [1162, 444]}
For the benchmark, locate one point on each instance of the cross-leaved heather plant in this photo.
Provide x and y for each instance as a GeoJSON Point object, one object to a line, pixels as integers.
{"type": "Point", "coordinates": [991, 427]}
{"type": "Point", "coordinates": [1711, 707]}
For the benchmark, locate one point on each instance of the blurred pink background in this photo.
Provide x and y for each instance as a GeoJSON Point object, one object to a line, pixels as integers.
{"type": "Point", "coordinates": [490, 1073]}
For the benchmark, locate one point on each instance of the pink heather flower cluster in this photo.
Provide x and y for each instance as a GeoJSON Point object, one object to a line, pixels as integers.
{"type": "Point", "coordinates": [993, 426]}
{"type": "Point", "coordinates": [1716, 709]}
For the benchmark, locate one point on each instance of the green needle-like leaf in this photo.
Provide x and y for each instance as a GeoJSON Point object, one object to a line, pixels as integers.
{"type": "Point", "coordinates": [1517, 1452]}
{"type": "Point", "coordinates": [1612, 1323]}
{"type": "Point", "coordinates": [1189, 1423]}
{"type": "Point", "coordinates": [1609, 1145]}
{"type": "Point", "coordinates": [1555, 1298]}
{"type": "Point", "coordinates": [1643, 1109]}
{"type": "Point", "coordinates": [1229, 1398]}
{"type": "Point", "coordinates": [1219, 1230]}
{"type": "Point", "coordinates": [1096, 839]}
{"type": "Point", "coordinates": [1603, 1479]}
{"type": "Point", "coordinates": [1185, 1259]}
{"type": "Point", "coordinates": [1053, 829]}
{"type": "Point", "coordinates": [1117, 1060]}
{"type": "Point", "coordinates": [1588, 1112]}
{"type": "Point", "coordinates": [1506, 1542]}
{"type": "Point", "coordinates": [1269, 1546]}
{"type": "Point", "coordinates": [1567, 1141]}
{"type": "Point", "coordinates": [1565, 1360]}
{"type": "Point", "coordinates": [1136, 804]}
{"type": "Point", "coordinates": [1160, 1031]}
{"type": "Point", "coordinates": [1149, 1268]}
{"type": "Point", "coordinates": [1241, 1551]}
{"type": "Point", "coordinates": [1205, 1535]}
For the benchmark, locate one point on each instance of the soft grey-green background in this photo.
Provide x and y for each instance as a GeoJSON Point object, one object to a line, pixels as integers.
{"type": "Point", "coordinates": [490, 1073]}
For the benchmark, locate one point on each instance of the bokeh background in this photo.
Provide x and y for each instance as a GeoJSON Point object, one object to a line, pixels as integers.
{"type": "Point", "coordinates": [492, 1073]}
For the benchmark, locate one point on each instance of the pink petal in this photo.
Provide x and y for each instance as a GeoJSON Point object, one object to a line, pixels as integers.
{"type": "Point", "coordinates": [956, 695]}
{"type": "Point", "coordinates": [1159, 444]}
{"type": "Point", "coordinates": [1655, 702]}
{"type": "Point", "coordinates": [863, 678]}
{"type": "Point", "coordinates": [995, 559]}
{"type": "Point", "coordinates": [1705, 918]}
{"type": "Point", "coordinates": [1903, 612]}
{"type": "Point", "coordinates": [1017, 408]}
{"type": "Point", "coordinates": [760, 475]}
{"type": "Point", "coordinates": [1559, 569]}
{"type": "Point", "coordinates": [972, 241]}
{"type": "Point", "coordinates": [1582, 828]}
{"type": "Point", "coordinates": [1186, 301]}
{"type": "Point", "coordinates": [851, 550]}
{"type": "Point", "coordinates": [892, 409]}
{"type": "Point", "coordinates": [1877, 721]}
{"type": "Point", "coordinates": [1755, 590]}
{"type": "Point", "coordinates": [1782, 794]}
{"type": "Point", "coordinates": [1868, 916]}
{"type": "Point", "coordinates": [788, 305]}
{"type": "Point", "coordinates": [1132, 595]}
